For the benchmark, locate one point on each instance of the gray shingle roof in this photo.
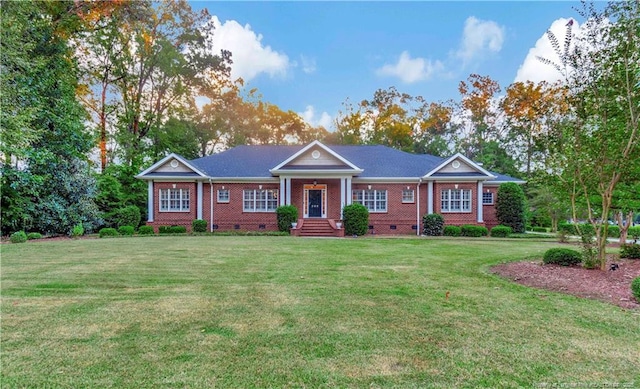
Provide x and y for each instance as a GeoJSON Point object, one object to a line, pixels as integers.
{"type": "Point", "coordinates": [377, 161]}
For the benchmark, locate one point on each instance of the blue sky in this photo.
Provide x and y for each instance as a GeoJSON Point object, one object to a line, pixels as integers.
{"type": "Point", "coordinates": [310, 57]}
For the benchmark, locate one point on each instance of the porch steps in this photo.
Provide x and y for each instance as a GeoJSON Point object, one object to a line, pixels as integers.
{"type": "Point", "coordinates": [316, 227]}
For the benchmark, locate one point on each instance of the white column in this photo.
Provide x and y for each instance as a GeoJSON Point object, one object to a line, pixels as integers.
{"type": "Point", "coordinates": [288, 190]}
{"type": "Point", "coordinates": [199, 202]}
{"type": "Point", "coordinates": [282, 191]}
{"type": "Point", "coordinates": [150, 201]}
{"type": "Point", "coordinates": [479, 200]}
{"type": "Point", "coordinates": [349, 191]}
{"type": "Point", "coordinates": [343, 194]}
{"type": "Point", "coordinates": [430, 197]}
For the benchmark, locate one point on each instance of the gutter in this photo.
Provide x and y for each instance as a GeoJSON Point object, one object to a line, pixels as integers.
{"type": "Point", "coordinates": [418, 208]}
{"type": "Point", "coordinates": [210, 205]}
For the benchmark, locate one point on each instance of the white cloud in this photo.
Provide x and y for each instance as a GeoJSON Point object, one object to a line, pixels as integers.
{"type": "Point", "coordinates": [308, 64]}
{"type": "Point", "coordinates": [309, 116]}
{"type": "Point", "coordinates": [250, 57]}
{"type": "Point", "coordinates": [532, 69]}
{"type": "Point", "coordinates": [411, 70]}
{"type": "Point", "coordinates": [478, 37]}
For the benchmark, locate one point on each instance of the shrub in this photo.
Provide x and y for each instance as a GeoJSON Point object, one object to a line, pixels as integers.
{"type": "Point", "coordinates": [451, 231]}
{"type": "Point", "coordinates": [634, 232]}
{"type": "Point", "coordinates": [635, 288]}
{"type": "Point", "coordinates": [127, 216]}
{"type": "Point", "coordinates": [356, 219]}
{"type": "Point", "coordinates": [126, 230]}
{"type": "Point", "coordinates": [433, 224]}
{"type": "Point", "coordinates": [539, 229]}
{"type": "Point", "coordinates": [473, 231]}
{"type": "Point", "coordinates": [145, 230]}
{"type": "Point", "coordinates": [18, 237]}
{"type": "Point", "coordinates": [177, 229]}
{"type": "Point", "coordinates": [613, 232]}
{"type": "Point", "coordinates": [199, 225]}
{"type": "Point", "coordinates": [77, 230]}
{"type": "Point", "coordinates": [567, 228]}
{"type": "Point", "coordinates": [164, 229]}
{"type": "Point", "coordinates": [107, 232]}
{"type": "Point", "coordinates": [286, 215]}
{"type": "Point", "coordinates": [510, 206]}
{"type": "Point", "coordinates": [34, 235]}
{"type": "Point", "coordinates": [562, 256]}
{"type": "Point", "coordinates": [631, 251]}
{"type": "Point", "coordinates": [500, 231]}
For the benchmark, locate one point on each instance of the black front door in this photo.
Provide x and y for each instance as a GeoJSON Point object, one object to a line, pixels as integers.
{"type": "Point", "coordinates": [315, 203]}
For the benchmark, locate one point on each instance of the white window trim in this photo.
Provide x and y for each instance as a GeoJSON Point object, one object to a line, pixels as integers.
{"type": "Point", "coordinates": [181, 200]}
{"type": "Point", "coordinates": [228, 195]}
{"type": "Point", "coordinates": [375, 200]}
{"type": "Point", "coordinates": [413, 196]}
{"type": "Point", "coordinates": [254, 198]}
{"type": "Point", "coordinates": [449, 199]}
{"type": "Point", "coordinates": [492, 200]}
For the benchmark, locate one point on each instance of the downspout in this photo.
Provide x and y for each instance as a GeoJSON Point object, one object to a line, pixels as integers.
{"type": "Point", "coordinates": [418, 208]}
{"type": "Point", "coordinates": [210, 206]}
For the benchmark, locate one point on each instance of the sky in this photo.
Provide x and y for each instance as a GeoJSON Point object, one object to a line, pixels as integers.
{"type": "Point", "coordinates": [311, 57]}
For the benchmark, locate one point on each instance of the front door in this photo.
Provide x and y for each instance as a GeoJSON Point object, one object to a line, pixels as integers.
{"type": "Point", "coordinates": [315, 203]}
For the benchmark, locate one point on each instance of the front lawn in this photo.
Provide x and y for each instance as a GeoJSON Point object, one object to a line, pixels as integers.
{"type": "Point", "coordinates": [241, 312]}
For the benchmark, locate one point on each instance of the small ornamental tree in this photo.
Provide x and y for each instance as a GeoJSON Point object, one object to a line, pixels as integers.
{"type": "Point", "coordinates": [510, 206]}
{"type": "Point", "coordinates": [356, 219]}
{"type": "Point", "coordinates": [286, 214]}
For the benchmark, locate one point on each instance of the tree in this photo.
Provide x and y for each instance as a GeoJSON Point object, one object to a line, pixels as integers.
{"type": "Point", "coordinates": [510, 206]}
{"type": "Point", "coordinates": [599, 137]}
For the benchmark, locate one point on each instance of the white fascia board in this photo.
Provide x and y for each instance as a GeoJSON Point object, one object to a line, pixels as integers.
{"type": "Point", "coordinates": [373, 180]}
{"type": "Point", "coordinates": [309, 146]}
{"type": "Point", "coordinates": [316, 172]}
{"type": "Point", "coordinates": [163, 161]}
{"type": "Point", "coordinates": [459, 179]}
{"type": "Point", "coordinates": [236, 180]}
{"type": "Point", "coordinates": [174, 179]}
{"type": "Point", "coordinates": [498, 183]}
{"type": "Point", "coordinates": [465, 159]}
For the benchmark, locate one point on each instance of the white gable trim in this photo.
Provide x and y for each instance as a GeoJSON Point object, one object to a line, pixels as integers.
{"type": "Point", "coordinates": [465, 160]}
{"type": "Point", "coordinates": [164, 160]}
{"type": "Point", "coordinates": [308, 147]}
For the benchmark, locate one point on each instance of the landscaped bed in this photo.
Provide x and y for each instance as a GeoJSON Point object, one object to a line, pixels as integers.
{"type": "Point", "coordinates": [205, 311]}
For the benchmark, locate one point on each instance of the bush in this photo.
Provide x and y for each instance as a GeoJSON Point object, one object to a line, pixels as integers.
{"type": "Point", "coordinates": [452, 231]}
{"type": "Point", "coordinates": [77, 230]}
{"type": "Point", "coordinates": [510, 206]}
{"type": "Point", "coordinates": [286, 215]}
{"type": "Point", "coordinates": [177, 229]}
{"type": "Point", "coordinates": [34, 235]}
{"type": "Point", "coordinates": [501, 231]}
{"type": "Point", "coordinates": [433, 224]}
{"type": "Point", "coordinates": [634, 233]}
{"type": "Point", "coordinates": [107, 232]}
{"type": "Point", "coordinates": [18, 237]}
{"type": "Point", "coordinates": [473, 231]}
{"type": "Point", "coordinates": [631, 251]}
{"type": "Point", "coordinates": [635, 288]}
{"type": "Point", "coordinates": [164, 229]}
{"type": "Point", "coordinates": [567, 228]}
{"type": "Point", "coordinates": [199, 225]}
{"type": "Point", "coordinates": [562, 256]}
{"type": "Point", "coordinates": [145, 230]}
{"type": "Point", "coordinates": [613, 232]}
{"type": "Point", "coordinates": [539, 229]}
{"type": "Point", "coordinates": [126, 230]}
{"type": "Point", "coordinates": [355, 219]}
{"type": "Point", "coordinates": [127, 216]}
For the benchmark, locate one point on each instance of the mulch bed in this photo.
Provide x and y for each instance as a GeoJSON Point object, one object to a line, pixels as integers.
{"type": "Point", "coordinates": [612, 286]}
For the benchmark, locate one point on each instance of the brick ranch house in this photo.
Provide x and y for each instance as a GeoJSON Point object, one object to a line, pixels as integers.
{"type": "Point", "coordinates": [240, 189]}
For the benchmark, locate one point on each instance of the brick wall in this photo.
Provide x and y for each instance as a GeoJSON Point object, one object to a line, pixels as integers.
{"type": "Point", "coordinates": [400, 217]}
{"type": "Point", "coordinates": [489, 211]}
{"type": "Point", "coordinates": [457, 218]}
{"type": "Point", "coordinates": [173, 218]}
{"type": "Point", "coordinates": [230, 216]}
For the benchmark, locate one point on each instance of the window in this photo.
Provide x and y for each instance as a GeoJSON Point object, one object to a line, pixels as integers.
{"type": "Point", "coordinates": [374, 200]}
{"type": "Point", "coordinates": [487, 198]}
{"type": "Point", "coordinates": [407, 195]}
{"type": "Point", "coordinates": [455, 200]}
{"type": "Point", "coordinates": [223, 195]}
{"type": "Point", "coordinates": [176, 200]}
{"type": "Point", "coordinates": [262, 200]}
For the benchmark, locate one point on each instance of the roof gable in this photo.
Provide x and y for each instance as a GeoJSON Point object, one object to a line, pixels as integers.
{"type": "Point", "coordinates": [316, 156]}
{"type": "Point", "coordinates": [173, 165]}
{"type": "Point", "coordinates": [459, 166]}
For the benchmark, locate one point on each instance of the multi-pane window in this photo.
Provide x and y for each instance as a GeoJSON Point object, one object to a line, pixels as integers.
{"type": "Point", "coordinates": [174, 200]}
{"type": "Point", "coordinates": [487, 198]}
{"type": "Point", "coordinates": [407, 196]}
{"type": "Point", "coordinates": [374, 200]}
{"type": "Point", "coordinates": [455, 200]}
{"type": "Point", "coordinates": [260, 200]}
{"type": "Point", "coordinates": [223, 195]}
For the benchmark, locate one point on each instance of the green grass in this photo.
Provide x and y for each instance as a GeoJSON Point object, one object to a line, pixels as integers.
{"type": "Point", "coordinates": [243, 312]}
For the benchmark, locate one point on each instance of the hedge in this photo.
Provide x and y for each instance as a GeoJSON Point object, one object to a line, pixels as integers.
{"type": "Point", "coordinates": [107, 232]}
{"type": "Point", "coordinates": [145, 230]}
{"type": "Point", "coordinates": [199, 225]}
{"type": "Point", "coordinates": [433, 224]}
{"type": "Point", "coordinates": [501, 231]}
{"type": "Point", "coordinates": [634, 232]}
{"type": "Point", "coordinates": [34, 235]}
{"type": "Point", "coordinates": [631, 251]}
{"type": "Point", "coordinates": [473, 231]}
{"type": "Point", "coordinates": [562, 256]}
{"type": "Point", "coordinates": [126, 230]}
{"type": "Point", "coordinates": [355, 219]}
{"type": "Point", "coordinates": [452, 231]}
{"type": "Point", "coordinates": [286, 214]}
{"type": "Point", "coordinates": [635, 288]}
{"type": "Point", "coordinates": [18, 237]}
